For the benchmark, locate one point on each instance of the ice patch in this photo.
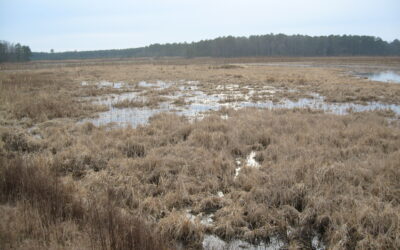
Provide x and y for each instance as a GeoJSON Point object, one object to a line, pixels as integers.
{"type": "Point", "coordinates": [191, 217]}
{"type": "Point", "coordinates": [158, 84]}
{"type": "Point", "coordinates": [251, 161]}
{"type": "Point", "coordinates": [207, 220]}
{"type": "Point", "coordinates": [224, 117]}
{"type": "Point", "coordinates": [317, 244]}
{"type": "Point", "coordinates": [227, 87]}
{"type": "Point", "coordinates": [212, 242]}
{"type": "Point", "coordinates": [115, 85]}
{"type": "Point", "coordinates": [239, 167]}
{"type": "Point", "coordinates": [204, 219]}
{"type": "Point", "coordinates": [237, 171]}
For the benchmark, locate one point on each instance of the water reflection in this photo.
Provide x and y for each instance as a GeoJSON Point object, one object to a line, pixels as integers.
{"type": "Point", "coordinates": [198, 103]}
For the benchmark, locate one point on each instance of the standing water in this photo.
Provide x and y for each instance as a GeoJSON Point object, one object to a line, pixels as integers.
{"type": "Point", "coordinates": [198, 102]}
{"type": "Point", "coordinates": [386, 76]}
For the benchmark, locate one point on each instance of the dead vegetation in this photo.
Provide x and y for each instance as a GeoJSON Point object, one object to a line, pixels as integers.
{"type": "Point", "coordinates": [335, 82]}
{"type": "Point", "coordinates": [326, 178]}
{"type": "Point", "coordinates": [228, 66]}
{"type": "Point", "coordinates": [43, 212]}
{"type": "Point", "coordinates": [150, 102]}
{"type": "Point", "coordinates": [41, 96]}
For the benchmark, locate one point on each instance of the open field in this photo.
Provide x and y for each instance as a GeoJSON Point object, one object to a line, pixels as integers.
{"type": "Point", "coordinates": [170, 153]}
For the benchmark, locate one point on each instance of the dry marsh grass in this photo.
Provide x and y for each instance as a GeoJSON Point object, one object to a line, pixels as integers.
{"type": "Point", "coordinates": [44, 212]}
{"type": "Point", "coordinates": [79, 186]}
{"type": "Point", "coordinates": [329, 176]}
{"type": "Point", "coordinates": [333, 82]}
{"type": "Point", "coordinates": [41, 96]}
{"type": "Point", "coordinates": [150, 102]}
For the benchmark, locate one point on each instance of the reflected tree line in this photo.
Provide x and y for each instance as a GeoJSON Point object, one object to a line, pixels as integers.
{"type": "Point", "coordinates": [263, 45]}
{"type": "Point", "coordinates": [14, 52]}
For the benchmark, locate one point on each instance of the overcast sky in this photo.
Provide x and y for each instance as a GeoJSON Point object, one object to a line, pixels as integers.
{"type": "Point", "coordinates": [90, 25]}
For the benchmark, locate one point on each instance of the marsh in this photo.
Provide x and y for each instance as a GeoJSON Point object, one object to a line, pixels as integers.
{"type": "Point", "coordinates": [188, 154]}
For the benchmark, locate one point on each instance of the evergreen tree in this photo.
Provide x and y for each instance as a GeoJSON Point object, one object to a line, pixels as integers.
{"type": "Point", "coordinates": [14, 53]}
{"type": "Point", "coordinates": [264, 45]}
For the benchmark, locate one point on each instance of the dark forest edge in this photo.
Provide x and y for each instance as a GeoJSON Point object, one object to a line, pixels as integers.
{"type": "Point", "coordinates": [262, 45]}
{"type": "Point", "coordinates": [14, 52]}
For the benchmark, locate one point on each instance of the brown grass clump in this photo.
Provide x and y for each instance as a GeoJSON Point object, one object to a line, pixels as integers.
{"type": "Point", "coordinates": [180, 102]}
{"type": "Point", "coordinates": [44, 107]}
{"type": "Point", "coordinates": [178, 227]}
{"type": "Point", "coordinates": [151, 102]}
{"type": "Point", "coordinates": [228, 66]}
{"type": "Point", "coordinates": [114, 229]}
{"type": "Point", "coordinates": [130, 104]}
{"type": "Point", "coordinates": [19, 142]}
{"type": "Point", "coordinates": [41, 97]}
{"type": "Point", "coordinates": [48, 208]}
{"type": "Point", "coordinates": [40, 188]}
{"type": "Point", "coordinates": [133, 149]}
{"type": "Point", "coordinates": [211, 204]}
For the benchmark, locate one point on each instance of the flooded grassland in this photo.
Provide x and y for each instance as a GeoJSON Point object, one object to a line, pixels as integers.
{"type": "Point", "coordinates": [201, 154]}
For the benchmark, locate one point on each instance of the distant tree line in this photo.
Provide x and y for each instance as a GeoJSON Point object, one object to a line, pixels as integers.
{"type": "Point", "coordinates": [263, 45]}
{"type": "Point", "coordinates": [14, 52]}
